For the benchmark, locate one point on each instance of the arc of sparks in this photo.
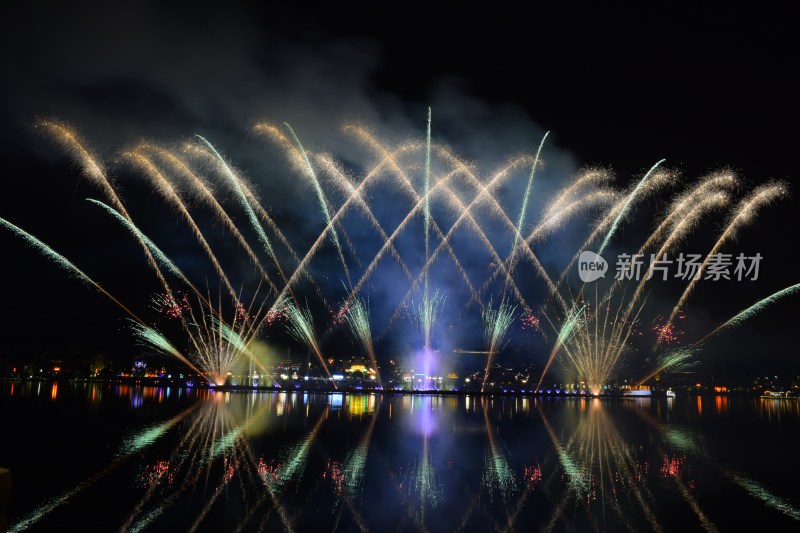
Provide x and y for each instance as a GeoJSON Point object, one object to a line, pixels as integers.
{"type": "Point", "coordinates": [745, 213]}
{"type": "Point", "coordinates": [95, 172]}
{"type": "Point", "coordinates": [205, 193]}
{"type": "Point", "coordinates": [65, 264]}
{"type": "Point", "coordinates": [165, 188]}
{"type": "Point", "coordinates": [301, 327]}
{"type": "Point", "coordinates": [323, 203]}
{"type": "Point", "coordinates": [522, 211]}
{"type": "Point", "coordinates": [496, 323]}
{"type": "Point", "coordinates": [358, 320]}
{"type": "Point", "coordinates": [751, 311]}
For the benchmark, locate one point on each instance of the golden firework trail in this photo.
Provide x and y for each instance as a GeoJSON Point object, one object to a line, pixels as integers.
{"type": "Point", "coordinates": [203, 191]}
{"type": "Point", "coordinates": [591, 338]}
{"type": "Point", "coordinates": [165, 188]}
{"type": "Point", "coordinates": [744, 214]}
{"type": "Point", "coordinates": [95, 172]}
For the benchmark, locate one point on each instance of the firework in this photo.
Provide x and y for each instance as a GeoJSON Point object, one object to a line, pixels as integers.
{"type": "Point", "coordinates": [744, 214]}
{"type": "Point", "coordinates": [301, 326]}
{"type": "Point", "coordinates": [754, 309]}
{"type": "Point", "coordinates": [668, 331]}
{"type": "Point", "coordinates": [244, 201]}
{"type": "Point", "coordinates": [623, 211]}
{"type": "Point", "coordinates": [529, 320]}
{"type": "Point", "coordinates": [357, 317]}
{"type": "Point", "coordinates": [495, 326]}
{"type": "Point", "coordinates": [419, 202]}
{"type": "Point", "coordinates": [204, 192]}
{"type": "Point", "coordinates": [277, 314]}
{"type": "Point", "coordinates": [152, 337]}
{"type": "Point", "coordinates": [64, 263]}
{"type": "Point", "coordinates": [171, 306]}
{"type": "Point", "coordinates": [592, 334]}
{"type": "Point", "coordinates": [323, 202]}
{"type": "Point", "coordinates": [93, 169]}
{"type": "Point", "coordinates": [427, 197]}
{"type": "Point", "coordinates": [215, 357]}
{"type": "Point", "coordinates": [523, 210]}
{"type": "Point", "coordinates": [165, 188]}
{"type": "Point", "coordinates": [426, 315]}
{"type": "Point", "coordinates": [150, 245]}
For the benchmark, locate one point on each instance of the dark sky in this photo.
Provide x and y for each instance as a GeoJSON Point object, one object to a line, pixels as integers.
{"type": "Point", "coordinates": [705, 85]}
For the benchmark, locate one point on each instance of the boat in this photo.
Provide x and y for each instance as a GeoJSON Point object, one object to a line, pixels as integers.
{"type": "Point", "coordinates": [778, 395]}
{"type": "Point", "coordinates": [649, 393]}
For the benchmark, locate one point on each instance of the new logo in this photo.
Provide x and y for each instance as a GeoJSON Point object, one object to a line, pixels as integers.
{"type": "Point", "coordinates": [591, 267]}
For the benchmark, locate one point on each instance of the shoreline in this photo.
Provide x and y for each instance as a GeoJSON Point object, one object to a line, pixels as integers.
{"type": "Point", "coordinates": [356, 390]}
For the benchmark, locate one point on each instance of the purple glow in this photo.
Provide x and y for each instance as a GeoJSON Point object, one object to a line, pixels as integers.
{"type": "Point", "coordinates": [427, 368]}
{"type": "Point", "coordinates": [426, 414]}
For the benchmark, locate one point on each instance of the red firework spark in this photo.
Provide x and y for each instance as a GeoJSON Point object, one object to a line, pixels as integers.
{"type": "Point", "coordinates": [173, 306]}
{"type": "Point", "coordinates": [333, 471]}
{"type": "Point", "coordinates": [277, 314]}
{"type": "Point", "coordinates": [241, 313]}
{"type": "Point", "coordinates": [533, 474]}
{"type": "Point", "coordinates": [157, 473]}
{"type": "Point", "coordinates": [268, 471]}
{"type": "Point", "coordinates": [340, 316]}
{"type": "Point", "coordinates": [668, 332]}
{"type": "Point", "coordinates": [529, 320]}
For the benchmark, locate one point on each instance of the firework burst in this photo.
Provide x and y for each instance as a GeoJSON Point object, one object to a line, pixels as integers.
{"type": "Point", "coordinates": [496, 322]}
{"type": "Point", "coordinates": [593, 334]}
{"type": "Point", "coordinates": [300, 325]}
{"type": "Point", "coordinates": [357, 319]}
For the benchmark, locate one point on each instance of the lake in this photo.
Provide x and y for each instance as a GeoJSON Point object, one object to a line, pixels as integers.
{"type": "Point", "coordinates": [112, 457]}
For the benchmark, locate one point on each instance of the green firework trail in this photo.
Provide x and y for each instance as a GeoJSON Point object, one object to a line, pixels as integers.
{"type": "Point", "coordinates": [357, 318]}
{"type": "Point", "coordinates": [674, 359]}
{"type": "Point", "coordinates": [496, 323]}
{"type": "Point", "coordinates": [426, 315]}
{"type": "Point", "coordinates": [754, 310]}
{"type": "Point", "coordinates": [301, 327]}
{"type": "Point", "coordinates": [322, 201]}
{"type": "Point", "coordinates": [626, 206]}
{"type": "Point", "coordinates": [251, 215]}
{"type": "Point", "coordinates": [152, 337]}
{"type": "Point", "coordinates": [64, 263]}
{"type": "Point", "coordinates": [521, 219]}
{"type": "Point", "coordinates": [155, 250]}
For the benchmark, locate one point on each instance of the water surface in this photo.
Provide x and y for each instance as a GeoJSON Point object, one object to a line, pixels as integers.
{"type": "Point", "coordinates": [117, 457]}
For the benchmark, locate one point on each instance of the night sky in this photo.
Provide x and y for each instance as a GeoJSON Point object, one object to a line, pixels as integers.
{"type": "Point", "coordinates": [706, 87]}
